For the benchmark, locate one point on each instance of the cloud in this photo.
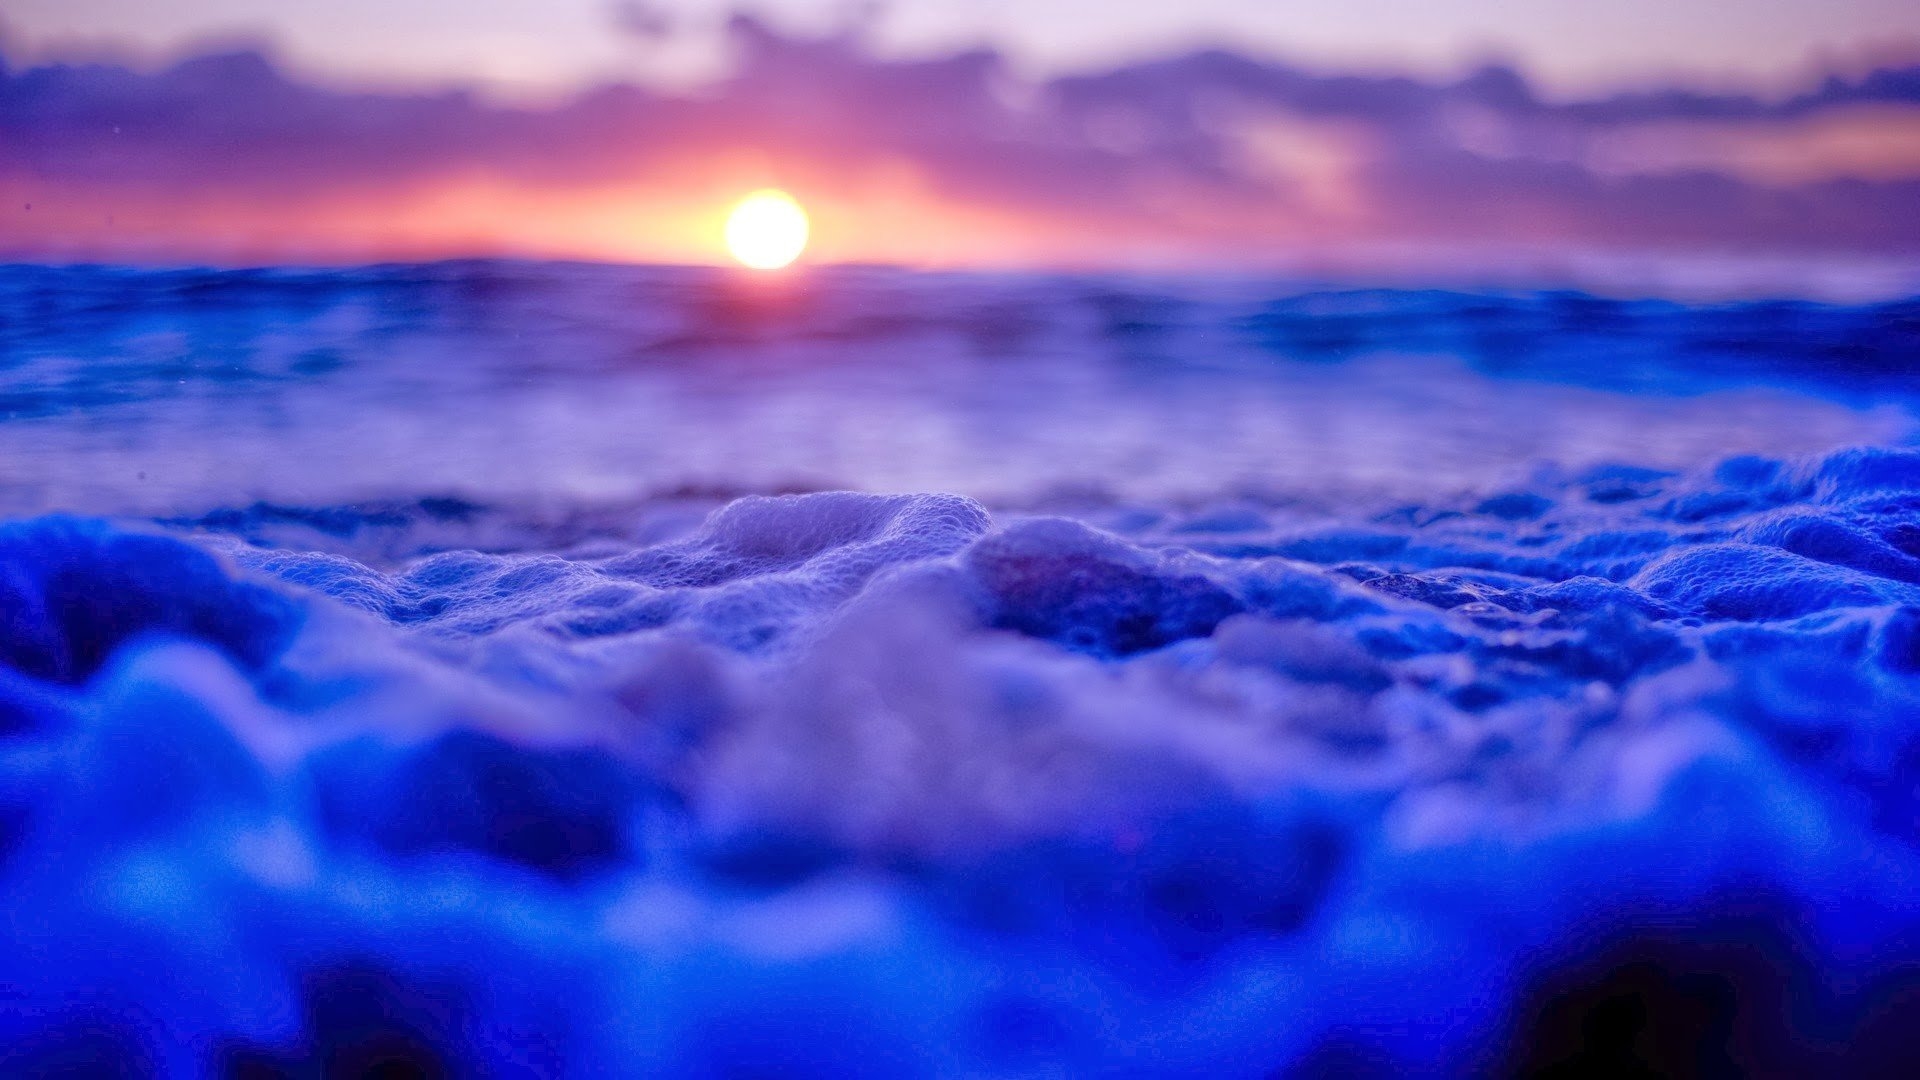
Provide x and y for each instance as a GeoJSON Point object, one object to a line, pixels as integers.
{"type": "Point", "coordinates": [642, 20]}
{"type": "Point", "coordinates": [1208, 158]}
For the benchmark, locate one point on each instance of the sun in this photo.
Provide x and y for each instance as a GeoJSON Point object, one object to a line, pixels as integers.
{"type": "Point", "coordinates": [767, 230]}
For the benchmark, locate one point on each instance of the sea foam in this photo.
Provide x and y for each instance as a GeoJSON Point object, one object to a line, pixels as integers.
{"type": "Point", "coordinates": [1551, 764]}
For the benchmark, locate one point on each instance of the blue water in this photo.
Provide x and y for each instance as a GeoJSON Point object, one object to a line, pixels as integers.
{"type": "Point", "coordinates": [510, 669]}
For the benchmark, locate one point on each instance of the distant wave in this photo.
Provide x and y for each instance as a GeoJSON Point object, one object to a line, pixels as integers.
{"type": "Point", "coordinates": [155, 391]}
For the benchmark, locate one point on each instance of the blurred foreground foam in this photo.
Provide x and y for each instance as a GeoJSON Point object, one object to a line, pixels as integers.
{"type": "Point", "coordinates": [1612, 767]}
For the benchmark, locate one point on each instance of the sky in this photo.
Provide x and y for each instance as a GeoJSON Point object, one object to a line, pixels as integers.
{"type": "Point", "coordinates": [1210, 133]}
{"type": "Point", "coordinates": [523, 47]}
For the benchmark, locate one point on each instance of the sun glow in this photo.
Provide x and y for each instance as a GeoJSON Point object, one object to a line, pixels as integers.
{"type": "Point", "coordinates": [767, 230]}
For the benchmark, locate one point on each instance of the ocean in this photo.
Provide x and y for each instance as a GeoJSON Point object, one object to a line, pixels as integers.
{"type": "Point", "coordinates": [512, 668]}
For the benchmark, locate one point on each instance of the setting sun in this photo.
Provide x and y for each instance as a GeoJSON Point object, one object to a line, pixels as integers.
{"type": "Point", "coordinates": [767, 230]}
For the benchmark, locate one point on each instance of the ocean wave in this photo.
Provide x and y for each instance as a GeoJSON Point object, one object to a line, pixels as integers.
{"type": "Point", "coordinates": [553, 390]}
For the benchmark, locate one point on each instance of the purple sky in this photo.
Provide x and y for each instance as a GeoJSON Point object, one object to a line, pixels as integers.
{"type": "Point", "coordinates": [1206, 157]}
